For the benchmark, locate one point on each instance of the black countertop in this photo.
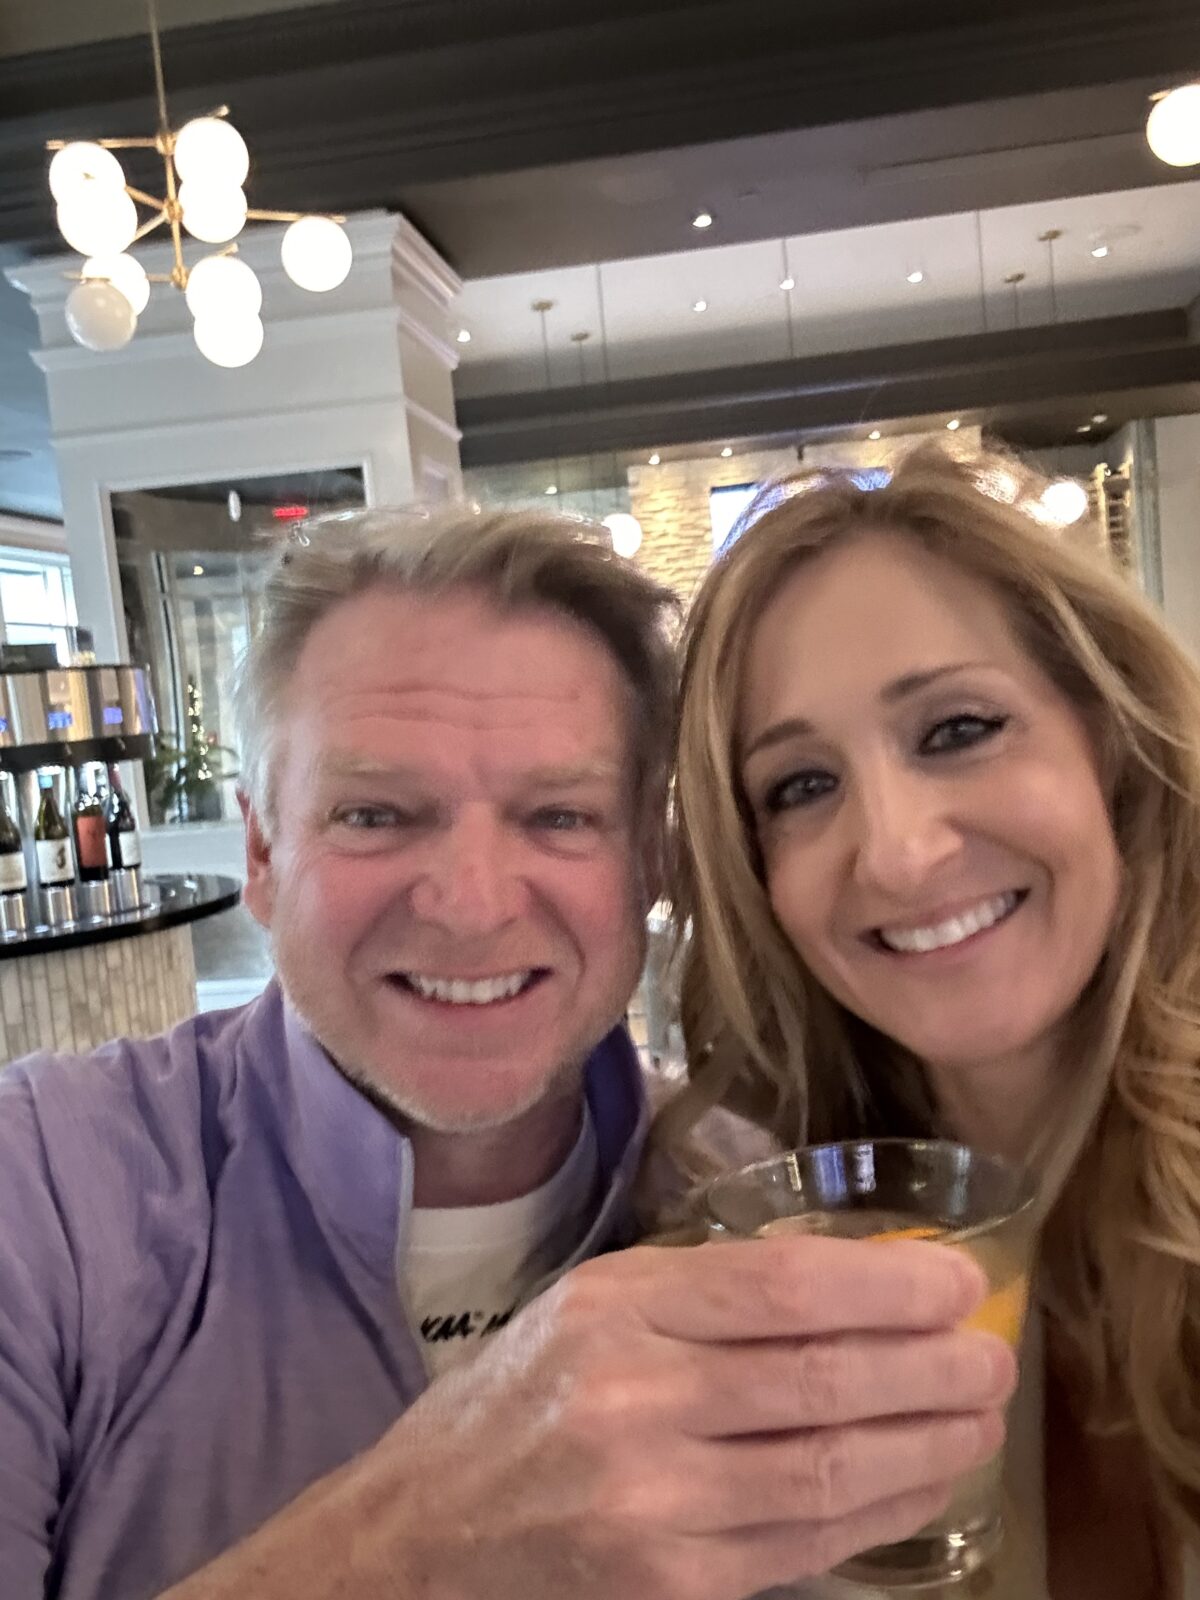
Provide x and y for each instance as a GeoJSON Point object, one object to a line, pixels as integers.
{"type": "Point", "coordinates": [172, 900]}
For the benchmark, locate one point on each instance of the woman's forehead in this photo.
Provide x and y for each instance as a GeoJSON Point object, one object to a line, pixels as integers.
{"type": "Point", "coordinates": [878, 605]}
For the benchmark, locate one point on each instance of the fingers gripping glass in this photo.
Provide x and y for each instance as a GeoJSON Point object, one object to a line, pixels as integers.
{"type": "Point", "coordinates": [914, 1189]}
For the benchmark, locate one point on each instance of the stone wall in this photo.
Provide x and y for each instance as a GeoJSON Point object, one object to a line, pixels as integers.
{"type": "Point", "coordinates": [671, 503]}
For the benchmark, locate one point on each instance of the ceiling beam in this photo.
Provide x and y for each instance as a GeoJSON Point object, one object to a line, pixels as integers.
{"type": "Point", "coordinates": [982, 373]}
{"type": "Point", "coordinates": [345, 104]}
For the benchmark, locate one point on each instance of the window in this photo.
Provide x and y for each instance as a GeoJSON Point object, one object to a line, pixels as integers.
{"type": "Point", "coordinates": [37, 602]}
{"type": "Point", "coordinates": [725, 506]}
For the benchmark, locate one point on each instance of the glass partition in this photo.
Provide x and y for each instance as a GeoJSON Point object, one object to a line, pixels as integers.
{"type": "Point", "coordinates": [191, 560]}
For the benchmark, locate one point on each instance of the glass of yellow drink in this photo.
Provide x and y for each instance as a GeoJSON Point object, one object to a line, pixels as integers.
{"type": "Point", "coordinates": [875, 1189]}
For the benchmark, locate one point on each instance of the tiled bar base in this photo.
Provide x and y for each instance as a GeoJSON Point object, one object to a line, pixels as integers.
{"type": "Point", "coordinates": [75, 999]}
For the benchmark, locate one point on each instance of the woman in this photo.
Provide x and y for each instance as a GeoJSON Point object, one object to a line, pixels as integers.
{"type": "Point", "coordinates": [939, 826]}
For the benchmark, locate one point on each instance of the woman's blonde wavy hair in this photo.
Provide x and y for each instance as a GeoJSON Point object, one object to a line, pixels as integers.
{"type": "Point", "coordinates": [1121, 1164]}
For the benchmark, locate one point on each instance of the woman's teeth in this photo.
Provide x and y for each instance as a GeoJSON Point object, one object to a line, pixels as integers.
{"type": "Point", "coordinates": [465, 992]}
{"type": "Point", "coordinates": [941, 935]}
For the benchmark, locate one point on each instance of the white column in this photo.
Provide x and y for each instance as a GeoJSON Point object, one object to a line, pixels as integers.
{"type": "Point", "coordinates": [359, 376]}
{"type": "Point", "coordinates": [1177, 448]}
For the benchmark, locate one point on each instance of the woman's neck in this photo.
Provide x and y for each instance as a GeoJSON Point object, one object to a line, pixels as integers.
{"type": "Point", "coordinates": [997, 1105]}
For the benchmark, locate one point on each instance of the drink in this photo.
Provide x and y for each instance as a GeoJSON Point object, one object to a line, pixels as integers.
{"type": "Point", "coordinates": [1002, 1313]}
{"type": "Point", "coordinates": [124, 841]}
{"type": "Point", "coordinates": [91, 836]}
{"type": "Point", "coordinates": [51, 839]}
{"type": "Point", "coordinates": [13, 878]}
{"type": "Point", "coordinates": [874, 1190]}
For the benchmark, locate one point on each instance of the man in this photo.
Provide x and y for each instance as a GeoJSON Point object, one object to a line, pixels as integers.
{"type": "Point", "coordinates": [232, 1257]}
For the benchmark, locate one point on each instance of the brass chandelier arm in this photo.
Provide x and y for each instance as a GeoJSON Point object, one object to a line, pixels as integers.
{"type": "Point", "coordinates": [107, 144]}
{"type": "Point", "coordinates": [150, 224]}
{"type": "Point", "coordinates": [255, 215]}
{"type": "Point", "coordinates": [145, 199]}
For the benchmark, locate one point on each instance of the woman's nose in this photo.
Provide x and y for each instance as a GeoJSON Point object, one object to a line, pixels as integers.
{"type": "Point", "coordinates": [904, 833]}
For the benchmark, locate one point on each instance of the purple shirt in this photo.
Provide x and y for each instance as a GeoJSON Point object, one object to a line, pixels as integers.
{"type": "Point", "coordinates": [199, 1306]}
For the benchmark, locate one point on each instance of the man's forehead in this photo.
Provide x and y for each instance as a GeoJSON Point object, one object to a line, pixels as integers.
{"type": "Point", "coordinates": [422, 626]}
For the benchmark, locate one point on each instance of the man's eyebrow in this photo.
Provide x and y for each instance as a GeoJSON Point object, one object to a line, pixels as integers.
{"type": "Point", "coordinates": [554, 776]}
{"type": "Point", "coordinates": [571, 775]}
{"type": "Point", "coordinates": [340, 765]}
{"type": "Point", "coordinates": [891, 694]}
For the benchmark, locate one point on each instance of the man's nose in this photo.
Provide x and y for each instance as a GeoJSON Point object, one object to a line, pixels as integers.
{"type": "Point", "coordinates": [471, 882]}
{"type": "Point", "coordinates": [904, 834]}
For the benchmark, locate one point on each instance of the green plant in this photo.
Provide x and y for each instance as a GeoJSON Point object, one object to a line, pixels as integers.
{"type": "Point", "coordinates": [182, 776]}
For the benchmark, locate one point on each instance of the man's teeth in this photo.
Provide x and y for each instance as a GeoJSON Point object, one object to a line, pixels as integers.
{"type": "Point", "coordinates": [953, 931]}
{"type": "Point", "coordinates": [462, 992]}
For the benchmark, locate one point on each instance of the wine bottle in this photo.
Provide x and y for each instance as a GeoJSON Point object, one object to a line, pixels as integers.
{"type": "Point", "coordinates": [91, 834]}
{"type": "Point", "coordinates": [52, 839]}
{"type": "Point", "coordinates": [13, 878]}
{"type": "Point", "coordinates": [124, 841]}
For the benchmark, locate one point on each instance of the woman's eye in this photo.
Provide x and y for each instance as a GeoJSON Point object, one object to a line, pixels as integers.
{"type": "Point", "coordinates": [960, 733]}
{"type": "Point", "coordinates": [798, 789]}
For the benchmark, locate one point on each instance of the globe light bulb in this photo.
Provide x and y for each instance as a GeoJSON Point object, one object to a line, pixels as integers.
{"type": "Point", "coordinates": [98, 220]}
{"type": "Point", "coordinates": [223, 286]}
{"type": "Point", "coordinates": [1064, 502]}
{"type": "Point", "coordinates": [213, 213]}
{"type": "Point", "coordinates": [229, 341]}
{"type": "Point", "coordinates": [316, 254]}
{"type": "Point", "coordinates": [1173, 127]}
{"type": "Point", "coordinates": [125, 274]}
{"type": "Point", "coordinates": [626, 533]}
{"type": "Point", "coordinates": [211, 152]}
{"type": "Point", "coordinates": [99, 317]}
{"type": "Point", "coordinates": [79, 165]}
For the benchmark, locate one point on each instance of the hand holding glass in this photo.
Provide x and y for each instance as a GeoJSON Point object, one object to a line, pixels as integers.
{"type": "Point", "coordinates": [913, 1189]}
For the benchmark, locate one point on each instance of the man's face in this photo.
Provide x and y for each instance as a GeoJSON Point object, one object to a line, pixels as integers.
{"type": "Point", "coordinates": [453, 881]}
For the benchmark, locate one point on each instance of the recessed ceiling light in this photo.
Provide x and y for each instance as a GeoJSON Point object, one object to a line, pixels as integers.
{"type": "Point", "coordinates": [787, 283]}
{"type": "Point", "coordinates": [954, 424]}
{"type": "Point", "coordinates": [197, 572]}
{"type": "Point", "coordinates": [699, 305]}
{"type": "Point", "coordinates": [916, 276]}
{"type": "Point", "coordinates": [551, 488]}
{"type": "Point", "coordinates": [464, 336]}
{"type": "Point", "coordinates": [728, 450]}
{"type": "Point", "coordinates": [655, 459]}
{"type": "Point", "coordinates": [1100, 418]}
{"type": "Point", "coordinates": [1100, 251]}
{"type": "Point", "coordinates": [1084, 427]}
{"type": "Point", "coordinates": [874, 434]}
{"type": "Point", "coordinates": [702, 219]}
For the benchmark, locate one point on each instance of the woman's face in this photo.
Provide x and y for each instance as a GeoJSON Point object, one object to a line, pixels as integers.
{"type": "Point", "coordinates": [932, 823]}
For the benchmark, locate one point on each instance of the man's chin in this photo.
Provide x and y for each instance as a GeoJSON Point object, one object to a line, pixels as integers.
{"type": "Point", "coordinates": [432, 1108]}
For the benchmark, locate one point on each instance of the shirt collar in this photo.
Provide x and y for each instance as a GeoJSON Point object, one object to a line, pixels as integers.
{"type": "Point", "coordinates": [356, 1167]}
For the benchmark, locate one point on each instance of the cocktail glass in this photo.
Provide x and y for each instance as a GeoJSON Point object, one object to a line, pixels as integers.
{"type": "Point", "coordinates": [917, 1189]}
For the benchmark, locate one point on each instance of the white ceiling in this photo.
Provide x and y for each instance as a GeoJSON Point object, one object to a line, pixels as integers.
{"type": "Point", "coordinates": [851, 290]}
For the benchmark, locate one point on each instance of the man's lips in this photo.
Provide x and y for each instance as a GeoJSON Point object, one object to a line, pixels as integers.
{"type": "Point", "coordinates": [498, 987]}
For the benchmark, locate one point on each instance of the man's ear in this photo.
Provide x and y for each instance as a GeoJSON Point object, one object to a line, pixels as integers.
{"type": "Point", "coordinates": [259, 894]}
{"type": "Point", "coordinates": [654, 848]}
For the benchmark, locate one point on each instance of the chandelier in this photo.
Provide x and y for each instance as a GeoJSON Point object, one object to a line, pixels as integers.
{"type": "Point", "coordinates": [1173, 126]}
{"type": "Point", "coordinates": [205, 163]}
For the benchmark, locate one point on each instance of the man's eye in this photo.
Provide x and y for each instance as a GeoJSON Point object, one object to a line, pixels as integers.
{"type": "Point", "coordinates": [960, 733]}
{"type": "Point", "coordinates": [797, 790]}
{"type": "Point", "coordinates": [560, 819]}
{"type": "Point", "coordinates": [365, 817]}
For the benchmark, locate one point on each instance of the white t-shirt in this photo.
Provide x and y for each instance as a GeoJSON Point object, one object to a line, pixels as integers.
{"type": "Point", "coordinates": [467, 1268]}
